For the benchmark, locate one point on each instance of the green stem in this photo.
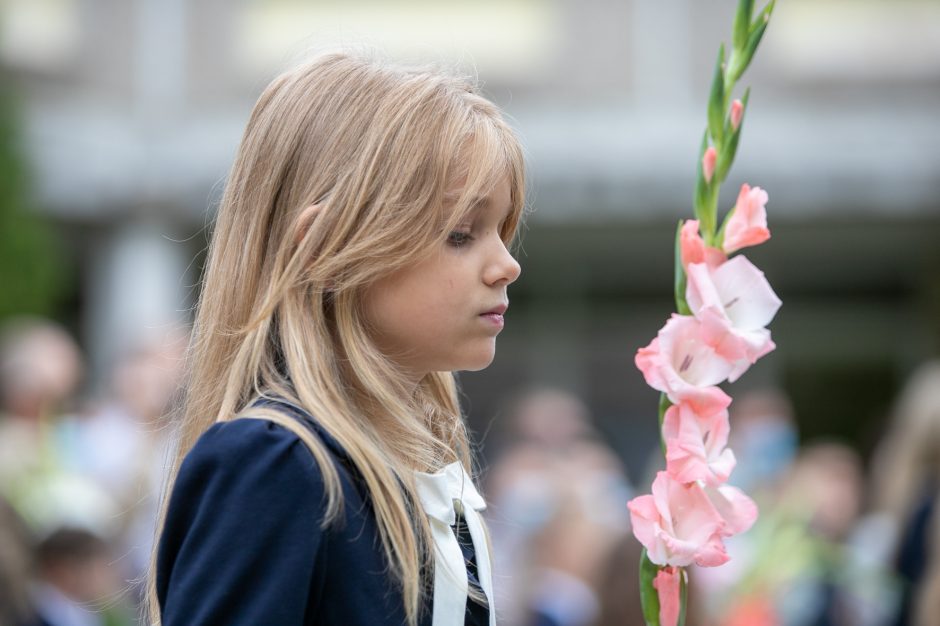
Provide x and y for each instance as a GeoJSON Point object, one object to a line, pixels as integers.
{"type": "Point", "coordinates": [649, 599]}
{"type": "Point", "coordinates": [664, 405]}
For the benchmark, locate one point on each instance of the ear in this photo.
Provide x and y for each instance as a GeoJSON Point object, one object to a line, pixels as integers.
{"type": "Point", "coordinates": [305, 221]}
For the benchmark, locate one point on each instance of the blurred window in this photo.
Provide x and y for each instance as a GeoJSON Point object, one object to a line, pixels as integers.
{"type": "Point", "coordinates": [849, 40]}
{"type": "Point", "coordinates": [38, 35]}
{"type": "Point", "coordinates": [505, 40]}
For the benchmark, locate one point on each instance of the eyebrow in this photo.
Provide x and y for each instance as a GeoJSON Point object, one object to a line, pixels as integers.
{"type": "Point", "coordinates": [481, 202]}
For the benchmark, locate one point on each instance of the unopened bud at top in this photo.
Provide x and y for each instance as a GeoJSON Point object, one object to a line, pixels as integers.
{"type": "Point", "coordinates": [737, 112]}
{"type": "Point", "coordinates": [708, 163]}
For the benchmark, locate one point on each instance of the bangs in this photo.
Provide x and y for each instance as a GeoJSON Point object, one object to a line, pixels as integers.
{"type": "Point", "coordinates": [490, 154]}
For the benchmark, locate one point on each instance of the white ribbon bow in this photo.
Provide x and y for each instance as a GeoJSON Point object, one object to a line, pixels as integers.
{"type": "Point", "coordinates": [440, 494]}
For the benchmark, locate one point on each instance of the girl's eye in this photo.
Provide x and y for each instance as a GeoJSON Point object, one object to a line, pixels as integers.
{"type": "Point", "coordinates": [457, 238]}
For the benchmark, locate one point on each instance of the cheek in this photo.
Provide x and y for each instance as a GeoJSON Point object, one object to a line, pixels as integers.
{"type": "Point", "coordinates": [438, 293]}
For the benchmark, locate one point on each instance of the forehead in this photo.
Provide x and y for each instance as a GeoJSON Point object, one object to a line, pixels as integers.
{"type": "Point", "coordinates": [494, 194]}
{"type": "Point", "coordinates": [497, 200]}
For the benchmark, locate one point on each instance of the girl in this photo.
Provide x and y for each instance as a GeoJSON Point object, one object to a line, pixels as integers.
{"type": "Point", "coordinates": [359, 258]}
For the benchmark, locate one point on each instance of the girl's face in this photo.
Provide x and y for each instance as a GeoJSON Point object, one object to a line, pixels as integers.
{"type": "Point", "coordinates": [443, 313]}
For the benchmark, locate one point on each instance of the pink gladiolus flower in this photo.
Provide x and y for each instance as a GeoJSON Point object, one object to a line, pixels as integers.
{"type": "Point", "coordinates": [696, 446]}
{"type": "Point", "coordinates": [692, 248]}
{"type": "Point", "coordinates": [747, 224]}
{"type": "Point", "coordinates": [737, 112]}
{"type": "Point", "coordinates": [678, 524]}
{"type": "Point", "coordinates": [668, 583]}
{"type": "Point", "coordinates": [680, 363]}
{"type": "Point", "coordinates": [734, 300]}
{"type": "Point", "coordinates": [709, 159]}
{"type": "Point", "coordinates": [737, 511]}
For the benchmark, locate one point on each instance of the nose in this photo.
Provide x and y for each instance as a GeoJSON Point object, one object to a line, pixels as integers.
{"type": "Point", "coordinates": [503, 269]}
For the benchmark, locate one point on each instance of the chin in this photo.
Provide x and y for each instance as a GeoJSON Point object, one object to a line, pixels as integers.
{"type": "Point", "coordinates": [477, 362]}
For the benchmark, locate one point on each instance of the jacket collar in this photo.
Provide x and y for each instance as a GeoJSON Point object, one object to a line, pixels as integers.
{"type": "Point", "coordinates": [307, 419]}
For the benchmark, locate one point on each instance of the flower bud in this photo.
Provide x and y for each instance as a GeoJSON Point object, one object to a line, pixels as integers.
{"type": "Point", "coordinates": [668, 585]}
{"type": "Point", "coordinates": [708, 163]}
{"type": "Point", "coordinates": [737, 112]}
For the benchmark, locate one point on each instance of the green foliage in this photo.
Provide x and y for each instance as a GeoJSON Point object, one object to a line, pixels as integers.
{"type": "Point", "coordinates": [702, 191]}
{"type": "Point", "coordinates": [664, 405]}
{"type": "Point", "coordinates": [682, 306]}
{"type": "Point", "coordinates": [31, 268]}
{"type": "Point", "coordinates": [649, 599]}
{"type": "Point", "coordinates": [716, 101]}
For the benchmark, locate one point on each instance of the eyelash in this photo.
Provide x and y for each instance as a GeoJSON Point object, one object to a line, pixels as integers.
{"type": "Point", "coordinates": [458, 239]}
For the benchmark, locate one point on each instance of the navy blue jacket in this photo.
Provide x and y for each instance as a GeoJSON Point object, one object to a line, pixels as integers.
{"type": "Point", "coordinates": [243, 542]}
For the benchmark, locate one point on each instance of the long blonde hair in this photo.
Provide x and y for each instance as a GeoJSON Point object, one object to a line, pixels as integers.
{"type": "Point", "coordinates": [906, 470]}
{"type": "Point", "coordinates": [395, 158]}
{"type": "Point", "coordinates": [908, 461]}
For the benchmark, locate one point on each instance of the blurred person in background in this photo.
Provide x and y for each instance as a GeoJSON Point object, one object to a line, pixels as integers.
{"type": "Point", "coordinates": [558, 512]}
{"type": "Point", "coordinates": [40, 368]}
{"type": "Point", "coordinates": [77, 585]}
{"type": "Point", "coordinates": [618, 590]}
{"type": "Point", "coordinates": [120, 442]}
{"type": "Point", "coordinates": [791, 569]}
{"type": "Point", "coordinates": [69, 518]}
{"type": "Point", "coordinates": [927, 608]}
{"type": "Point", "coordinates": [825, 493]}
{"type": "Point", "coordinates": [906, 481]}
{"type": "Point", "coordinates": [16, 569]}
{"type": "Point", "coordinates": [764, 439]}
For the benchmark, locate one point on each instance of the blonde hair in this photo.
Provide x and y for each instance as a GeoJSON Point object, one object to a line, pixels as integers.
{"type": "Point", "coordinates": [909, 459]}
{"type": "Point", "coordinates": [395, 158]}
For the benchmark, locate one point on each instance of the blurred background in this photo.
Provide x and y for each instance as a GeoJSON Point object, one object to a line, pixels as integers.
{"type": "Point", "coordinates": [119, 120]}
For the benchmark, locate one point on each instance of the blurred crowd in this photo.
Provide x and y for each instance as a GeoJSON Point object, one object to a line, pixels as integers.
{"type": "Point", "coordinates": [839, 542]}
{"type": "Point", "coordinates": [79, 475]}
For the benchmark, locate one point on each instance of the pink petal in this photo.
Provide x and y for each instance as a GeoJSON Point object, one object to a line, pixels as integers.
{"type": "Point", "coordinates": [690, 356]}
{"type": "Point", "coordinates": [714, 257]}
{"type": "Point", "coordinates": [733, 302]}
{"type": "Point", "coordinates": [747, 224]}
{"type": "Point", "coordinates": [680, 553]}
{"type": "Point", "coordinates": [709, 159]}
{"type": "Point", "coordinates": [737, 510]}
{"type": "Point", "coordinates": [713, 553]}
{"type": "Point", "coordinates": [722, 336]}
{"type": "Point", "coordinates": [745, 295]}
{"type": "Point", "coordinates": [692, 248]}
{"type": "Point", "coordinates": [703, 400]}
{"type": "Point", "coordinates": [681, 363]}
{"type": "Point", "coordinates": [737, 112]}
{"type": "Point", "coordinates": [695, 446]}
{"type": "Point", "coordinates": [691, 245]}
{"type": "Point", "coordinates": [694, 517]}
{"type": "Point", "coordinates": [757, 343]}
{"type": "Point", "coordinates": [678, 524]}
{"type": "Point", "coordinates": [651, 362]}
{"type": "Point", "coordinates": [700, 290]}
{"type": "Point", "coordinates": [668, 583]}
{"type": "Point", "coordinates": [644, 520]}
{"type": "Point", "coordinates": [722, 466]}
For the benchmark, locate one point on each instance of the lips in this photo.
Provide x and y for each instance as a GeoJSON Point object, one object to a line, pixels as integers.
{"type": "Point", "coordinates": [494, 317]}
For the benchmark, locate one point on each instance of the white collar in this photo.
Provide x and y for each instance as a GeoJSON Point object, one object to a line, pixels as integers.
{"type": "Point", "coordinates": [441, 494]}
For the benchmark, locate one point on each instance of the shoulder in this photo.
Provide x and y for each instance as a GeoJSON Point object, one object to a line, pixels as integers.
{"type": "Point", "coordinates": [247, 465]}
{"type": "Point", "coordinates": [242, 535]}
{"type": "Point", "coordinates": [249, 443]}
{"type": "Point", "coordinates": [256, 463]}
{"type": "Point", "coordinates": [251, 459]}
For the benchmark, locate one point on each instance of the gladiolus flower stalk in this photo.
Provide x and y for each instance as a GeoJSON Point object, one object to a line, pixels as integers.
{"type": "Point", "coordinates": [719, 330]}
